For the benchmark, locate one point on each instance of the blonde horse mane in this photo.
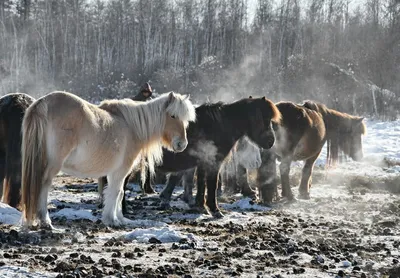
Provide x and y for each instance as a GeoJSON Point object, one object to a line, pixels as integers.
{"type": "Point", "coordinates": [147, 122]}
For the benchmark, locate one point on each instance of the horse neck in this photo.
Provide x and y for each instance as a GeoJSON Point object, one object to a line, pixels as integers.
{"type": "Point", "coordinates": [239, 124]}
{"type": "Point", "coordinates": [335, 121]}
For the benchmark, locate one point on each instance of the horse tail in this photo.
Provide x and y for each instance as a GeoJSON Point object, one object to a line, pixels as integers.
{"type": "Point", "coordinates": [34, 158]}
{"type": "Point", "coordinates": [12, 170]}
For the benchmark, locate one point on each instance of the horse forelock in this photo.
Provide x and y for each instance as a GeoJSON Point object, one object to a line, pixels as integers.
{"type": "Point", "coordinates": [180, 107]}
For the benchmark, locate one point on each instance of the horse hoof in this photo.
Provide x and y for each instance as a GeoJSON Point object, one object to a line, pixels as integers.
{"type": "Point", "coordinates": [304, 195]}
{"type": "Point", "coordinates": [165, 205]}
{"type": "Point", "coordinates": [198, 209]}
{"type": "Point", "coordinates": [189, 200]}
{"type": "Point", "coordinates": [217, 214]}
{"type": "Point", "coordinates": [126, 222]}
{"type": "Point", "coordinates": [149, 191]}
{"type": "Point", "coordinates": [251, 194]}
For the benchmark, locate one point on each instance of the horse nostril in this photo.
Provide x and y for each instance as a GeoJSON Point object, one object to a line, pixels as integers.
{"type": "Point", "coordinates": [180, 145]}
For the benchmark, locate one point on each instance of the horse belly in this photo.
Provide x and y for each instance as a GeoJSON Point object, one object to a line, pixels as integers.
{"type": "Point", "coordinates": [307, 147]}
{"type": "Point", "coordinates": [84, 163]}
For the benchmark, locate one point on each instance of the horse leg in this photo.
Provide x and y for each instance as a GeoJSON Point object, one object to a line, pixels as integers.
{"type": "Point", "coordinates": [266, 177]}
{"type": "Point", "coordinates": [243, 182]}
{"type": "Point", "coordinates": [284, 168]}
{"type": "Point", "coordinates": [212, 180]}
{"type": "Point", "coordinates": [42, 211]}
{"type": "Point", "coordinates": [147, 187]}
{"type": "Point", "coordinates": [201, 180]}
{"type": "Point", "coordinates": [101, 183]}
{"type": "Point", "coordinates": [305, 183]}
{"type": "Point", "coordinates": [123, 201]}
{"type": "Point", "coordinates": [220, 183]}
{"type": "Point", "coordinates": [228, 180]}
{"type": "Point", "coordinates": [188, 183]}
{"type": "Point", "coordinates": [113, 195]}
{"type": "Point", "coordinates": [166, 194]}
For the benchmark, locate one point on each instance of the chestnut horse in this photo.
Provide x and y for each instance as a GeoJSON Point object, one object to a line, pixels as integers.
{"type": "Point", "coordinates": [302, 133]}
{"type": "Point", "coordinates": [64, 132]}
{"type": "Point", "coordinates": [12, 110]}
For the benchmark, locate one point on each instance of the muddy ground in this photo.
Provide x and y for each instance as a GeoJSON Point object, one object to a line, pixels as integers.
{"type": "Point", "coordinates": [345, 230]}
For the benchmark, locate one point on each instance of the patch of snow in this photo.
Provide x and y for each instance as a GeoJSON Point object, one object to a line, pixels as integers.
{"type": "Point", "coordinates": [14, 271]}
{"type": "Point", "coordinates": [381, 141]}
{"type": "Point", "coordinates": [165, 235]}
{"type": "Point", "coordinates": [9, 215]}
{"type": "Point", "coordinates": [73, 214]}
{"type": "Point", "coordinates": [245, 204]}
{"type": "Point", "coordinates": [145, 223]}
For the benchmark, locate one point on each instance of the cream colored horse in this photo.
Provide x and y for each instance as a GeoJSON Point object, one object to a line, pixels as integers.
{"type": "Point", "coordinates": [64, 132]}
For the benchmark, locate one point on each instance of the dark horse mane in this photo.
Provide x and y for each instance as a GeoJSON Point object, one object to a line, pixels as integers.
{"type": "Point", "coordinates": [214, 111]}
{"type": "Point", "coordinates": [12, 110]}
{"type": "Point", "coordinates": [339, 128]}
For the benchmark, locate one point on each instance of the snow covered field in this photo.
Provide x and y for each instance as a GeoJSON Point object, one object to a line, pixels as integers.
{"type": "Point", "coordinates": [349, 227]}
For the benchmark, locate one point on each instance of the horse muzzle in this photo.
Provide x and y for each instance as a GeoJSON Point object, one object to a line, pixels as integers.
{"type": "Point", "coordinates": [179, 145]}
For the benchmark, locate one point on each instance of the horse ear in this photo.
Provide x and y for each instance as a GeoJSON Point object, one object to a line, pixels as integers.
{"type": "Point", "coordinates": [359, 120]}
{"type": "Point", "coordinates": [264, 98]}
{"type": "Point", "coordinates": [148, 87]}
{"type": "Point", "coordinates": [186, 97]}
{"type": "Point", "coordinates": [171, 97]}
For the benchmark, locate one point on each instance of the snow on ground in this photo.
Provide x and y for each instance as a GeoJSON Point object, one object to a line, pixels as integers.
{"type": "Point", "coordinates": [19, 272]}
{"type": "Point", "coordinates": [245, 204]}
{"type": "Point", "coordinates": [381, 141]}
{"type": "Point", "coordinates": [72, 214]}
{"type": "Point", "coordinates": [9, 215]}
{"type": "Point", "coordinates": [336, 200]}
{"type": "Point", "coordinates": [164, 235]}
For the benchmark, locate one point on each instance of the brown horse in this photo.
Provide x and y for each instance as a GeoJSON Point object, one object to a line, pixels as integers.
{"type": "Point", "coordinates": [302, 133]}
{"type": "Point", "coordinates": [64, 132]}
{"type": "Point", "coordinates": [12, 110]}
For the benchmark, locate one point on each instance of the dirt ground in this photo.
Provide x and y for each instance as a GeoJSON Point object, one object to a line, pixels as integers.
{"type": "Point", "coordinates": [345, 230]}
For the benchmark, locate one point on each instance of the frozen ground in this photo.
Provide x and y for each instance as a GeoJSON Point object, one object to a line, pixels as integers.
{"type": "Point", "coordinates": [350, 227]}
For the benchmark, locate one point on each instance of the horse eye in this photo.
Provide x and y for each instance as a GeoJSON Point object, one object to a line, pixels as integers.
{"type": "Point", "coordinates": [173, 117]}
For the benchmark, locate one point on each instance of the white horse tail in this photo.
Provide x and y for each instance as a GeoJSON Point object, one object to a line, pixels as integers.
{"type": "Point", "coordinates": [34, 158]}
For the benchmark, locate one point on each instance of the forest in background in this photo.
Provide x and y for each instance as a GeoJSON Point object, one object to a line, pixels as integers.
{"type": "Point", "coordinates": [215, 50]}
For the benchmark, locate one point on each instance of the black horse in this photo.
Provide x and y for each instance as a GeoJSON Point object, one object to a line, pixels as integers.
{"type": "Point", "coordinates": [217, 128]}
{"type": "Point", "coordinates": [231, 177]}
{"type": "Point", "coordinates": [12, 111]}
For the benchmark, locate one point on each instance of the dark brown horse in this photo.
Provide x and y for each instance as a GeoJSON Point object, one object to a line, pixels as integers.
{"type": "Point", "coordinates": [302, 133]}
{"type": "Point", "coordinates": [244, 153]}
{"type": "Point", "coordinates": [12, 110]}
{"type": "Point", "coordinates": [217, 128]}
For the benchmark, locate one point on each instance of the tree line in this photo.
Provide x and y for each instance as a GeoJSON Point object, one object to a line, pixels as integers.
{"type": "Point", "coordinates": [325, 50]}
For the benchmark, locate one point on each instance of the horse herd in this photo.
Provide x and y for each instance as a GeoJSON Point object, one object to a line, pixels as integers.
{"type": "Point", "coordinates": [168, 134]}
